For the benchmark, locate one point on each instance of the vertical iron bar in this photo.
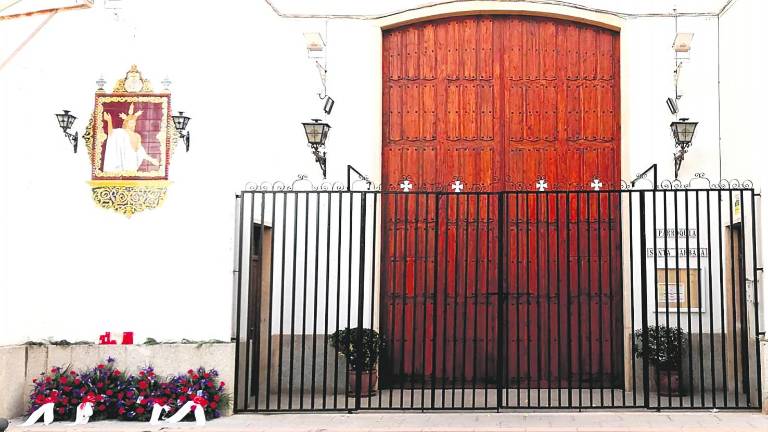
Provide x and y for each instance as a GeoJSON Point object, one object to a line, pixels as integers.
{"type": "Point", "coordinates": [666, 293]}
{"type": "Point", "coordinates": [435, 301]}
{"type": "Point", "coordinates": [248, 332]}
{"type": "Point", "coordinates": [374, 230]}
{"type": "Point", "coordinates": [445, 298]}
{"type": "Point", "coordinates": [569, 321]}
{"type": "Point", "coordinates": [427, 298]}
{"type": "Point", "coordinates": [580, 323]}
{"type": "Point", "coordinates": [721, 258]}
{"type": "Point", "coordinates": [589, 298]}
{"type": "Point", "coordinates": [701, 302]}
{"type": "Point", "coordinates": [282, 307]}
{"type": "Point", "coordinates": [677, 286]}
{"type": "Point", "coordinates": [466, 300]}
{"type": "Point", "coordinates": [405, 300]}
{"type": "Point", "coordinates": [257, 344]}
{"type": "Point", "coordinates": [711, 302]}
{"type": "Point", "coordinates": [314, 297]}
{"type": "Point", "coordinates": [733, 302]}
{"type": "Point", "coordinates": [393, 297]}
{"type": "Point", "coordinates": [239, 300]}
{"type": "Point", "coordinates": [600, 300]}
{"type": "Point", "coordinates": [632, 297]}
{"type": "Point", "coordinates": [293, 298]}
{"type": "Point", "coordinates": [528, 293]}
{"type": "Point", "coordinates": [338, 305]}
{"type": "Point", "coordinates": [559, 299]}
{"type": "Point", "coordinates": [455, 302]}
{"type": "Point", "coordinates": [539, 315]}
{"type": "Point", "coordinates": [500, 300]}
{"type": "Point", "coordinates": [349, 294]}
{"type": "Point", "coordinates": [327, 295]}
{"type": "Point", "coordinates": [609, 296]}
{"type": "Point", "coordinates": [547, 317]}
{"type": "Point", "coordinates": [743, 289]}
{"type": "Point", "coordinates": [488, 309]}
{"type": "Point", "coordinates": [268, 390]}
{"type": "Point", "coordinates": [360, 300]}
{"type": "Point", "coordinates": [475, 297]}
{"type": "Point", "coordinates": [304, 300]}
{"type": "Point", "coordinates": [688, 296]}
{"type": "Point", "coordinates": [415, 297]}
{"type": "Point", "coordinates": [644, 294]}
{"type": "Point", "coordinates": [758, 368]}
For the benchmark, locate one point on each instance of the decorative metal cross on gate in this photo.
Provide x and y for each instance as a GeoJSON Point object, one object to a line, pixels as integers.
{"type": "Point", "coordinates": [457, 186]}
{"type": "Point", "coordinates": [406, 185]}
{"type": "Point", "coordinates": [596, 184]}
{"type": "Point", "coordinates": [542, 185]}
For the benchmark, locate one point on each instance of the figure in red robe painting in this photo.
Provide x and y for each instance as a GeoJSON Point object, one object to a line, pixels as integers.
{"type": "Point", "coordinates": [124, 150]}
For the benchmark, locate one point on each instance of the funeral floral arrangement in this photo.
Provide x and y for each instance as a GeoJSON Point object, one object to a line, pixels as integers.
{"type": "Point", "coordinates": [116, 394]}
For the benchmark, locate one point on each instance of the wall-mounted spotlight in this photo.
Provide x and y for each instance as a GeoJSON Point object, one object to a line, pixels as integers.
{"type": "Point", "coordinates": [180, 121]}
{"type": "Point", "coordinates": [682, 131]}
{"type": "Point", "coordinates": [317, 133]}
{"type": "Point", "coordinates": [329, 102]}
{"type": "Point", "coordinates": [672, 105]}
{"type": "Point", "coordinates": [65, 122]}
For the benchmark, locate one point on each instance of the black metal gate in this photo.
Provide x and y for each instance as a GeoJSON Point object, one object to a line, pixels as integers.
{"type": "Point", "coordinates": [618, 272]}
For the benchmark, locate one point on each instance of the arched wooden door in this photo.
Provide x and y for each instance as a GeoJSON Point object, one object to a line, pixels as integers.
{"type": "Point", "coordinates": [500, 102]}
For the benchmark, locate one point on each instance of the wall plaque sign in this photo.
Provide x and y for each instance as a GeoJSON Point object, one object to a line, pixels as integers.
{"type": "Point", "coordinates": [130, 139]}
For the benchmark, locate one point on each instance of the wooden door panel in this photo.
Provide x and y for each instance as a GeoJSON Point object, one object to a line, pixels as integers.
{"type": "Point", "coordinates": [501, 102]}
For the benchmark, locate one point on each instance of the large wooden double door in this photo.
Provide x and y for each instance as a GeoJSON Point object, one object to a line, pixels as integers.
{"type": "Point", "coordinates": [500, 102]}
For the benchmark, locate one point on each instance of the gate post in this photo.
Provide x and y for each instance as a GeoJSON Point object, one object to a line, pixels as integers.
{"type": "Point", "coordinates": [500, 360]}
{"type": "Point", "coordinates": [644, 299]}
{"type": "Point", "coordinates": [360, 297]}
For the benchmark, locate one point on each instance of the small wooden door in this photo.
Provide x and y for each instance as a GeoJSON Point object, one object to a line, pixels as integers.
{"type": "Point", "coordinates": [498, 103]}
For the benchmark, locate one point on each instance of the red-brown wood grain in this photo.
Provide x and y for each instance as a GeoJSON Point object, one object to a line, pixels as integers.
{"type": "Point", "coordinates": [500, 102]}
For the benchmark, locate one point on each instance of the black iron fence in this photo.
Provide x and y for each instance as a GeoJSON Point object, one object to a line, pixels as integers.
{"type": "Point", "coordinates": [492, 300]}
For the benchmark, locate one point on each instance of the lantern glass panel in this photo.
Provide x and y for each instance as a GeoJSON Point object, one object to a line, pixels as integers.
{"type": "Point", "coordinates": [70, 120]}
{"type": "Point", "coordinates": [683, 131]}
{"type": "Point", "coordinates": [62, 118]}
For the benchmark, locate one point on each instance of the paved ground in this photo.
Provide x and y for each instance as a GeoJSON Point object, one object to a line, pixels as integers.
{"type": "Point", "coordinates": [623, 421]}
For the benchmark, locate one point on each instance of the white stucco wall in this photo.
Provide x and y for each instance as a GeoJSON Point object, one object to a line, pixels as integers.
{"type": "Point", "coordinates": [72, 270]}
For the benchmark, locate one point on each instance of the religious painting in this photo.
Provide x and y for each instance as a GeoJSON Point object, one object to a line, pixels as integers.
{"type": "Point", "coordinates": [131, 137]}
{"type": "Point", "coordinates": [130, 140]}
{"type": "Point", "coordinates": [678, 290]}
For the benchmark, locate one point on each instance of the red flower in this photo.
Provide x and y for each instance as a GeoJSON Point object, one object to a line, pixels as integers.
{"type": "Point", "coordinates": [67, 388]}
{"type": "Point", "coordinates": [101, 366]}
{"type": "Point", "coordinates": [143, 385]}
{"type": "Point", "coordinates": [151, 374]}
{"type": "Point", "coordinates": [60, 410]}
{"type": "Point", "coordinates": [213, 405]}
{"type": "Point", "coordinates": [207, 375]}
{"type": "Point", "coordinates": [64, 400]}
{"type": "Point", "coordinates": [102, 407]}
{"type": "Point", "coordinates": [77, 381]}
{"type": "Point", "coordinates": [210, 383]}
{"type": "Point", "coordinates": [141, 373]}
{"type": "Point", "coordinates": [121, 410]}
{"type": "Point", "coordinates": [221, 384]}
{"type": "Point", "coordinates": [53, 370]}
{"type": "Point", "coordinates": [139, 410]}
{"type": "Point", "coordinates": [48, 379]}
{"type": "Point", "coordinates": [182, 398]}
{"type": "Point", "coordinates": [216, 397]}
{"type": "Point", "coordinates": [120, 396]}
{"type": "Point", "coordinates": [116, 372]}
{"type": "Point", "coordinates": [73, 373]}
{"type": "Point", "coordinates": [62, 379]}
{"type": "Point", "coordinates": [109, 392]}
{"type": "Point", "coordinates": [99, 384]}
{"type": "Point", "coordinates": [184, 389]}
{"type": "Point", "coordinates": [191, 372]}
{"type": "Point", "coordinates": [196, 376]}
{"type": "Point", "coordinates": [34, 380]}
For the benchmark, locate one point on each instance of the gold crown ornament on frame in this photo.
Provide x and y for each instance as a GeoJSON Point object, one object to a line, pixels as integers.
{"type": "Point", "coordinates": [130, 139]}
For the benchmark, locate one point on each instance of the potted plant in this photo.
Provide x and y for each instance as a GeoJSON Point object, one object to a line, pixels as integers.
{"type": "Point", "coordinates": [664, 350]}
{"type": "Point", "coordinates": [361, 348]}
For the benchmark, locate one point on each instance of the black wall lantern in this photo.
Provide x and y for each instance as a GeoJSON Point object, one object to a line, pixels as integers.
{"type": "Point", "coordinates": [317, 132]}
{"type": "Point", "coordinates": [65, 122]}
{"type": "Point", "coordinates": [180, 121]}
{"type": "Point", "coordinates": [682, 131]}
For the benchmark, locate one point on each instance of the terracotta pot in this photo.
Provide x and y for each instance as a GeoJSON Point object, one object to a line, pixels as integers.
{"type": "Point", "coordinates": [369, 382]}
{"type": "Point", "coordinates": [669, 383]}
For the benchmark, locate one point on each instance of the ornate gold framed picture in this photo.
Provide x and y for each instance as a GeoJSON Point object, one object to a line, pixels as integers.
{"type": "Point", "coordinates": [131, 138]}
